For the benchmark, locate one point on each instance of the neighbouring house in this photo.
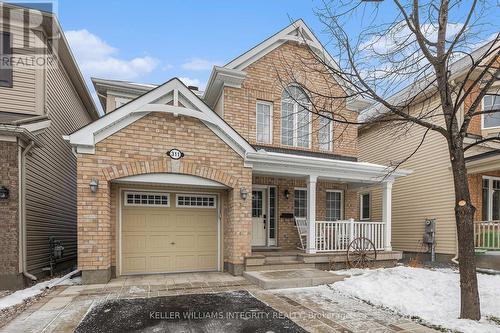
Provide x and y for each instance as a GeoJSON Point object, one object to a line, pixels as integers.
{"type": "Point", "coordinates": [428, 193]}
{"type": "Point", "coordinates": [172, 179]}
{"type": "Point", "coordinates": [39, 103]}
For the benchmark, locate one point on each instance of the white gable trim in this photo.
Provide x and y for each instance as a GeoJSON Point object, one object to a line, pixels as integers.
{"type": "Point", "coordinates": [85, 139]}
{"type": "Point", "coordinates": [298, 31]}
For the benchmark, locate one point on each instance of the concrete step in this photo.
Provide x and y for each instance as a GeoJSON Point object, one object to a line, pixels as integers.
{"type": "Point", "coordinates": [278, 266]}
{"type": "Point", "coordinates": [291, 278]}
{"type": "Point", "coordinates": [280, 259]}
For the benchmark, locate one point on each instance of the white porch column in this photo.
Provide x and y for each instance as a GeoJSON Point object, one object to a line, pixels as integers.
{"type": "Point", "coordinates": [387, 212]}
{"type": "Point", "coordinates": [311, 214]}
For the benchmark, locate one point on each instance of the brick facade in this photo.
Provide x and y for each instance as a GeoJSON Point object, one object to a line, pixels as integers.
{"type": "Point", "coordinates": [287, 232]}
{"type": "Point", "coordinates": [264, 82]}
{"type": "Point", "coordinates": [141, 148]}
{"type": "Point", "coordinates": [476, 190]}
{"type": "Point", "coordinates": [9, 213]}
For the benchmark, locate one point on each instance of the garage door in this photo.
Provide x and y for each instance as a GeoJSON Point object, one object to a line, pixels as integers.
{"type": "Point", "coordinates": [168, 232]}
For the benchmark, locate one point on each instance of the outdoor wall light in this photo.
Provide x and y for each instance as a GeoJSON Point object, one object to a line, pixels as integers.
{"type": "Point", "coordinates": [286, 193]}
{"type": "Point", "coordinates": [4, 193]}
{"type": "Point", "coordinates": [243, 193]}
{"type": "Point", "coordinates": [93, 185]}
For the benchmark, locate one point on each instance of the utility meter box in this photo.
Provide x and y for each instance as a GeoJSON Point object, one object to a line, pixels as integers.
{"type": "Point", "coordinates": [430, 230]}
{"type": "Point", "coordinates": [430, 225]}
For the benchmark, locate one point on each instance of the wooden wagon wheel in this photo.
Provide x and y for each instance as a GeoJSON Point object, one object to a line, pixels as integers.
{"type": "Point", "coordinates": [361, 253]}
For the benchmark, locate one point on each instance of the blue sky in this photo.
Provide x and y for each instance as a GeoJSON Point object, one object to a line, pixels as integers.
{"type": "Point", "coordinates": [152, 41]}
{"type": "Point", "coordinates": [172, 38]}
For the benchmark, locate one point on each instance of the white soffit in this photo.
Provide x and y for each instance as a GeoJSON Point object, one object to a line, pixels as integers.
{"type": "Point", "coordinates": [170, 179]}
{"type": "Point", "coordinates": [172, 91]}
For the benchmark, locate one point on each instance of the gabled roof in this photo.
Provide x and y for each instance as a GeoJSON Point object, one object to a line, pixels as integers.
{"type": "Point", "coordinates": [176, 99]}
{"type": "Point", "coordinates": [233, 71]}
{"type": "Point", "coordinates": [298, 31]}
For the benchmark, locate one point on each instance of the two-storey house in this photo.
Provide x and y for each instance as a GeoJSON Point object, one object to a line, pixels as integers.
{"type": "Point", "coordinates": [172, 179]}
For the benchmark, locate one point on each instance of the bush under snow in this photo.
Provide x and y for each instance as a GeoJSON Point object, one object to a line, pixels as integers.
{"type": "Point", "coordinates": [432, 295]}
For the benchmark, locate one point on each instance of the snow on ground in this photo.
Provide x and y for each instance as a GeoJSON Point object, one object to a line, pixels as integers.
{"type": "Point", "coordinates": [19, 296]}
{"type": "Point", "coordinates": [432, 295]}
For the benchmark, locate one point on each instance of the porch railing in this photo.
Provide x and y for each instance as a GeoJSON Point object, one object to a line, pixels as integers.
{"type": "Point", "coordinates": [487, 235]}
{"type": "Point", "coordinates": [336, 235]}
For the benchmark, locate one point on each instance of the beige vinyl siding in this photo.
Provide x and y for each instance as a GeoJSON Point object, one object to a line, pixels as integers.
{"type": "Point", "coordinates": [26, 94]}
{"type": "Point", "coordinates": [426, 193]}
{"type": "Point", "coordinates": [51, 175]}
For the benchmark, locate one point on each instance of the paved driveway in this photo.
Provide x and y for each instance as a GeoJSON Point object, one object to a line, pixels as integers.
{"type": "Point", "coordinates": [65, 308]}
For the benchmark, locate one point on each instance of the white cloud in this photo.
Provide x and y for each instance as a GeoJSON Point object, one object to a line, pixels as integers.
{"type": "Point", "coordinates": [199, 64]}
{"type": "Point", "coordinates": [191, 82]}
{"type": "Point", "coordinates": [98, 58]}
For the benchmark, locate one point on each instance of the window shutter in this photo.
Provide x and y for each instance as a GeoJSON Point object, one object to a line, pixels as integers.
{"type": "Point", "coordinates": [5, 60]}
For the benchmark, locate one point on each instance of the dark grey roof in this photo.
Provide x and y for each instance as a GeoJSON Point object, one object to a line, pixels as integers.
{"type": "Point", "coordinates": [482, 155]}
{"type": "Point", "coordinates": [306, 153]}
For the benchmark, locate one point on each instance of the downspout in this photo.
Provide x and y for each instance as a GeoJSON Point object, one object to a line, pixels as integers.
{"type": "Point", "coordinates": [22, 212]}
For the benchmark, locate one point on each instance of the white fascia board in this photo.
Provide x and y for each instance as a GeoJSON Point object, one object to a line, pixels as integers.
{"type": "Point", "coordinates": [305, 35]}
{"type": "Point", "coordinates": [36, 126]}
{"type": "Point", "coordinates": [305, 165]}
{"type": "Point", "coordinates": [85, 135]}
{"type": "Point", "coordinates": [102, 128]}
{"type": "Point", "coordinates": [219, 78]}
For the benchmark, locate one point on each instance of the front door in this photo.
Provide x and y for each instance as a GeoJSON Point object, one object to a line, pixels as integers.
{"type": "Point", "coordinates": [259, 209]}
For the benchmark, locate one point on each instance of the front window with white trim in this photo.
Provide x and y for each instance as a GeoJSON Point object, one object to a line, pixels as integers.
{"type": "Point", "coordinates": [295, 118]}
{"type": "Point", "coordinates": [325, 131]}
{"type": "Point", "coordinates": [491, 102]}
{"type": "Point", "coordinates": [300, 203]}
{"type": "Point", "coordinates": [195, 201]}
{"type": "Point", "coordinates": [333, 205]}
{"type": "Point", "coordinates": [147, 199]}
{"type": "Point", "coordinates": [264, 120]}
{"type": "Point", "coordinates": [364, 206]}
{"type": "Point", "coordinates": [491, 199]}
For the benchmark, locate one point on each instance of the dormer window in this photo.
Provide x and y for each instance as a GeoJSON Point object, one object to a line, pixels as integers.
{"type": "Point", "coordinates": [491, 102]}
{"type": "Point", "coordinates": [295, 118]}
{"type": "Point", "coordinates": [5, 60]}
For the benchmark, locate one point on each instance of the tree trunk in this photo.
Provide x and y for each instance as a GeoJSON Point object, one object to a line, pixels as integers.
{"type": "Point", "coordinates": [464, 216]}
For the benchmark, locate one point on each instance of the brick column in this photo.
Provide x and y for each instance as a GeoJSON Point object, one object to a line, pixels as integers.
{"type": "Point", "coordinates": [94, 227]}
{"type": "Point", "coordinates": [238, 228]}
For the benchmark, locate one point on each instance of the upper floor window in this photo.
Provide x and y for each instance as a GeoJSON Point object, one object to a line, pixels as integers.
{"type": "Point", "coordinates": [5, 60]}
{"type": "Point", "coordinates": [325, 131]}
{"type": "Point", "coordinates": [491, 103]}
{"type": "Point", "coordinates": [264, 120]}
{"type": "Point", "coordinates": [295, 118]}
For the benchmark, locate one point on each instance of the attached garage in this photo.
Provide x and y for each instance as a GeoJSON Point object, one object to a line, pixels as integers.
{"type": "Point", "coordinates": [166, 231]}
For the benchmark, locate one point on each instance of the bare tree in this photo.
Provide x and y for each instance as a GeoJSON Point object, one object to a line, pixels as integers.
{"type": "Point", "coordinates": [403, 54]}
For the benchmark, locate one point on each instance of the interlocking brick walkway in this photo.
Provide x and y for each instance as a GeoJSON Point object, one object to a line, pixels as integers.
{"type": "Point", "coordinates": [63, 309]}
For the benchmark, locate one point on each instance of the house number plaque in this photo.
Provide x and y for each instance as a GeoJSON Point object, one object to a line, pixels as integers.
{"type": "Point", "coordinates": [175, 154]}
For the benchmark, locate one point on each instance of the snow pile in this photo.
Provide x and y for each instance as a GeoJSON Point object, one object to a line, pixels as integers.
{"type": "Point", "coordinates": [19, 296]}
{"type": "Point", "coordinates": [432, 295]}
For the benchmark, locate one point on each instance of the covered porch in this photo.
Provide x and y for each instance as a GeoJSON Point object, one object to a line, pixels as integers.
{"type": "Point", "coordinates": [484, 185]}
{"type": "Point", "coordinates": [323, 203]}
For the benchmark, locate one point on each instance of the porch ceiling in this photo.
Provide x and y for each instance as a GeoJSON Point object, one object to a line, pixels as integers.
{"type": "Point", "coordinates": [354, 173]}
